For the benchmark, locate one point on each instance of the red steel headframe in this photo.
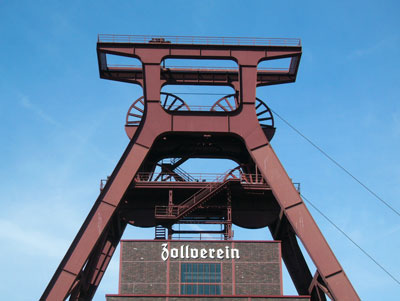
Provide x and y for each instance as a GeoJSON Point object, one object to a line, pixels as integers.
{"type": "Point", "coordinates": [84, 264]}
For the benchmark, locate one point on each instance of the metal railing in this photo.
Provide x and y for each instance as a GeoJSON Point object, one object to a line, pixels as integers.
{"type": "Point", "coordinates": [193, 40]}
{"type": "Point", "coordinates": [197, 68]}
{"type": "Point", "coordinates": [199, 236]}
{"type": "Point", "coordinates": [244, 178]}
{"type": "Point", "coordinates": [200, 177]}
{"type": "Point", "coordinates": [169, 177]}
{"type": "Point", "coordinates": [169, 211]}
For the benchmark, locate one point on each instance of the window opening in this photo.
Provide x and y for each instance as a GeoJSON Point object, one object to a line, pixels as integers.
{"type": "Point", "coordinates": [200, 279]}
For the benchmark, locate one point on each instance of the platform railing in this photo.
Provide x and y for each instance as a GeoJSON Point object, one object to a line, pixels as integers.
{"type": "Point", "coordinates": [169, 211]}
{"type": "Point", "coordinates": [196, 68]}
{"type": "Point", "coordinates": [169, 177]}
{"type": "Point", "coordinates": [244, 178]}
{"type": "Point", "coordinates": [202, 178]}
{"type": "Point", "coordinates": [199, 236]}
{"type": "Point", "coordinates": [201, 40]}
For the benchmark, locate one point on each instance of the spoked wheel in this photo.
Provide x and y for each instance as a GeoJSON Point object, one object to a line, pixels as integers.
{"type": "Point", "coordinates": [135, 112]}
{"type": "Point", "coordinates": [227, 103]}
{"type": "Point", "coordinates": [230, 103]}
{"type": "Point", "coordinates": [264, 114]}
{"type": "Point", "coordinates": [169, 102]}
{"type": "Point", "coordinates": [234, 173]}
{"type": "Point", "coordinates": [248, 178]}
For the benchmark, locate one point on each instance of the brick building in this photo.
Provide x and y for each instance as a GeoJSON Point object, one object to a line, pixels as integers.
{"type": "Point", "coordinates": [200, 270]}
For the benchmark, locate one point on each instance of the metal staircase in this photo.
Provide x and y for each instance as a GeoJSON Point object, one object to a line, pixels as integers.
{"type": "Point", "coordinates": [177, 212]}
{"type": "Point", "coordinates": [185, 176]}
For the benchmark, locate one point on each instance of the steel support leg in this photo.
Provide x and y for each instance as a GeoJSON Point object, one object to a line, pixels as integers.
{"type": "Point", "coordinates": [293, 257]}
{"type": "Point", "coordinates": [300, 219]}
{"type": "Point", "coordinates": [95, 225]}
{"type": "Point", "coordinates": [98, 262]}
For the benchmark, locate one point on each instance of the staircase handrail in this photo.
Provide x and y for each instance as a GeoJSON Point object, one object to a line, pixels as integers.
{"type": "Point", "coordinates": [184, 174]}
{"type": "Point", "coordinates": [202, 193]}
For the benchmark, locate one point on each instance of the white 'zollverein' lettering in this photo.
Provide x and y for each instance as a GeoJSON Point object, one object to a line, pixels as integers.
{"type": "Point", "coordinates": [186, 252]}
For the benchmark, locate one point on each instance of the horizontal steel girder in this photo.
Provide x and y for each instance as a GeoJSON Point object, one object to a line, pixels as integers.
{"type": "Point", "coordinates": [197, 76]}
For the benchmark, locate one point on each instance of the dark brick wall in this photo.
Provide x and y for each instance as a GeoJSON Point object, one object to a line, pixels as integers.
{"type": "Point", "coordinates": [142, 270]}
{"type": "Point", "coordinates": [257, 272]}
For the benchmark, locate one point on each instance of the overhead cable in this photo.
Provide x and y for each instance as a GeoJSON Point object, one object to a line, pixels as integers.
{"type": "Point", "coordinates": [338, 164]}
{"type": "Point", "coordinates": [351, 240]}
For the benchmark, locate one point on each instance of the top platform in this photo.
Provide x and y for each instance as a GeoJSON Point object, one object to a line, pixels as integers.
{"type": "Point", "coordinates": [153, 49]}
{"type": "Point", "coordinates": [197, 40]}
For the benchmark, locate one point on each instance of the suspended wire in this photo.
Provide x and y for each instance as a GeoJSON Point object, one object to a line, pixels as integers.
{"type": "Point", "coordinates": [350, 239]}
{"type": "Point", "coordinates": [337, 164]}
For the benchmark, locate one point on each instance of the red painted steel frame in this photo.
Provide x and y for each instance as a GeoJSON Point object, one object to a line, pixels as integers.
{"type": "Point", "coordinates": [81, 269]}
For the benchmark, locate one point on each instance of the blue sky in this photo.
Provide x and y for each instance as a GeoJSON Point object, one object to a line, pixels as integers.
{"type": "Point", "coordinates": [62, 126]}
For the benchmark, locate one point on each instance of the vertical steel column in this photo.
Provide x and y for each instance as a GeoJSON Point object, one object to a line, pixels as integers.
{"type": "Point", "coordinates": [228, 224]}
